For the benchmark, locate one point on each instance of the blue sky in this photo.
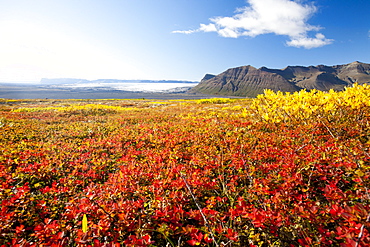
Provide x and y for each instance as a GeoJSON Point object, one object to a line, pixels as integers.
{"type": "Point", "coordinates": [176, 39]}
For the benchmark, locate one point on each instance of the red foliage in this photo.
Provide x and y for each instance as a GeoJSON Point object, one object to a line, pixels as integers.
{"type": "Point", "coordinates": [256, 183]}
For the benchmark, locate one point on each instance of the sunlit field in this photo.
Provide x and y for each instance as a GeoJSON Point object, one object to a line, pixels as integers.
{"type": "Point", "coordinates": [278, 170]}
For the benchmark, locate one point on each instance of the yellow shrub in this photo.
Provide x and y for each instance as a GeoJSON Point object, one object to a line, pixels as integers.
{"type": "Point", "coordinates": [277, 106]}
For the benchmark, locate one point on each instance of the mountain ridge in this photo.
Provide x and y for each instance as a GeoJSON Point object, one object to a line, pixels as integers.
{"type": "Point", "coordinates": [248, 81]}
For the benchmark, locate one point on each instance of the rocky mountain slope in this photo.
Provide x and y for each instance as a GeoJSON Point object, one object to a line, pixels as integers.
{"type": "Point", "coordinates": [249, 81]}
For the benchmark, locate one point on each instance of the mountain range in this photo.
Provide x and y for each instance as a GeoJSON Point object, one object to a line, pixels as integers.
{"type": "Point", "coordinates": [247, 81]}
{"type": "Point", "coordinates": [56, 81]}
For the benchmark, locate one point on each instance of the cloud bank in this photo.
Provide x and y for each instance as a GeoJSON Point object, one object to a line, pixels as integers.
{"type": "Point", "coordinates": [280, 17]}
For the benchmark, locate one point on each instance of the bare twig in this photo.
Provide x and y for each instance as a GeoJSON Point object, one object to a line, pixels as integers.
{"type": "Point", "coordinates": [331, 133]}
{"type": "Point", "coordinates": [363, 225]}
{"type": "Point", "coordinates": [200, 209]}
{"type": "Point", "coordinates": [362, 231]}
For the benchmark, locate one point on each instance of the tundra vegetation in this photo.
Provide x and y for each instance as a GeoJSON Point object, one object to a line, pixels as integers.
{"type": "Point", "coordinates": [277, 170]}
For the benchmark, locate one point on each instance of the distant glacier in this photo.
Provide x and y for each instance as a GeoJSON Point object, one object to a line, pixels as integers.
{"type": "Point", "coordinates": [147, 86]}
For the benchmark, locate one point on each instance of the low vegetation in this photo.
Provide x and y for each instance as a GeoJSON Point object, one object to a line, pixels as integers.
{"type": "Point", "coordinates": [278, 170]}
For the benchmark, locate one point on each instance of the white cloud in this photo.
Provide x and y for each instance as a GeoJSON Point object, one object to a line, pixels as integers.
{"type": "Point", "coordinates": [185, 32]}
{"type": "Point", "coordinates": [309, 43]}
{"type": "Point", "coordinates": [208, 28]}
{"type": "Point", "coordinates": [281, 17]}
{"type": "Point", "coordinates": [203, 28]}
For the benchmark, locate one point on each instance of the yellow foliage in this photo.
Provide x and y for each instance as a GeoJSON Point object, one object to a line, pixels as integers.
{"type": "Point", "coordinates": [87, 107]}
{"type": "Point", "coordinates": [215, 101]}
{"type": "Point", "coordinates": [84, 223]}
{"type": "Point", "coordinates": [277, 106]}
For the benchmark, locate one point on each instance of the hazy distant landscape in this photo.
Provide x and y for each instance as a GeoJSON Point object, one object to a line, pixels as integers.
{"type": "Point", "coordinates": [145, 86]}
{"type": "Point", "coordinates": [111, 89]}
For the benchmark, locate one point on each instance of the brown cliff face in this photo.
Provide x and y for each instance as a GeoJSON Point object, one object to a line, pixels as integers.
{"type": "Point", "coordinates": [249, 81]}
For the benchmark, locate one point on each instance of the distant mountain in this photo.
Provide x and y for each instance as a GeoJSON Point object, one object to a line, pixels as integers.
{"type": "Point", "coordinates": [249, 81]}
{"type": "Point", "coordinates": [81, 81]}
